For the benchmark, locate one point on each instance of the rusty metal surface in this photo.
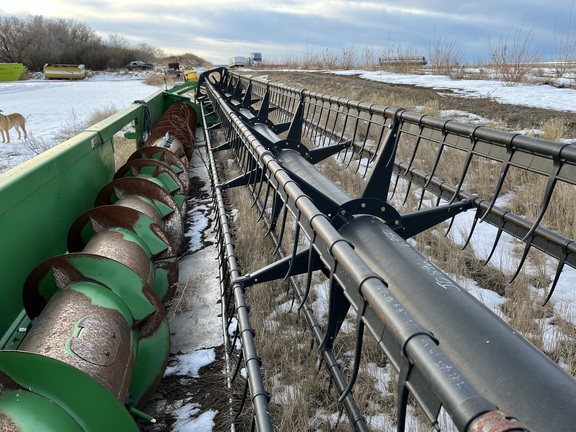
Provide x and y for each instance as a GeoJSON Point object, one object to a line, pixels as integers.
{"type": "Point", "coordinates": [34, 300]}
{"type": "Point", "coordinates": [163, 252]}
{"type": "Point", "coordinates": [58, 272]}
{"type": "Point", "coordinates": [7, 424]}
{"type": "Point", "coordinates": [151, 168]}
{"type": "Point", "coordinates": [123, 214]}
{"type": "Point", "coordinates": [99, 339]}
{"type": "Point", "coordinates": [116, 246]}
{"type": "Point", "coordinates": [173, 146]}
{"type": "Point", "coordinates": [174, 156]}
{"type": "Point", "coordinates": [7, 383]}
{"type": "Point", "coordinates": [179, 121]}
{"type": "Point", "coordinates": [137, 203]}
{"type": "Point", "coordinates": [497, 421]}
{"type": "Point", "coordinates": [120, 188]}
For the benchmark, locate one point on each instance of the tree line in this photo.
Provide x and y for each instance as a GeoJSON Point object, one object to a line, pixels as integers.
{"type": "Point", "coordinates": [36, 40]}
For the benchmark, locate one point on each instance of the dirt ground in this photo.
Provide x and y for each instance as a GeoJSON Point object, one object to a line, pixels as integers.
{"type": "Point", "coordinates": [513, 116]}
{"type": "Point", "coordinates": [207, 391]}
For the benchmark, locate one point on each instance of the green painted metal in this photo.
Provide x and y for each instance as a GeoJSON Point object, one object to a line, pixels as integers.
{"type": "Point", "coordinates": [99, 296]}
{"type": "Point", "coordinates": [142, 227]}
{"type": "Point", "coordinates": [41, 198]}
{"type": "Point", "coordinates": [161, 279]}
{"type": "Point", "coordinates": [18, 404]}
{"type": "Point", "coordinates": [118, 278]}
{"type": "Point", "coordinates": [151, 360]}
{"type": "Point", "coordinates": [39, 201]}
{"type": "Point", "coordinates": [91, 406]}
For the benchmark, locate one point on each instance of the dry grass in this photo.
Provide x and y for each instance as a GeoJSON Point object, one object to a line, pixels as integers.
{"type": "Point", "coordinates": [524, 297]}
{"type": "Point", "coordinates": [553, 129]}
{"type": "Point", "coordinates": [123, 147]}
{"type": "Point", "coordinates": [155, 79]}
{"type": "Point", "coordinates": [300, 392]}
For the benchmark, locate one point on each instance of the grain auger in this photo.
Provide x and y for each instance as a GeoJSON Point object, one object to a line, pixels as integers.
{"type": "Point", "coordinates": [99, 340]}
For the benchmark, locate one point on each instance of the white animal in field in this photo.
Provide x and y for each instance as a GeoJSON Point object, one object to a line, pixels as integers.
{"type": "Point", "coordinates": [9, 121]}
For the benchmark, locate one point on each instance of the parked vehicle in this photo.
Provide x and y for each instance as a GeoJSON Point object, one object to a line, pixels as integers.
{"type": "Point", "coordinates": [64, 71]}
{"type": "Point", "coordinates": [139, 64]}
{"type": "Point", "coordinates": [237, 61]}
{"type": "Point", "coordinates": [174, 69]}
{"type": "Point", "coordinates": [255, 58]}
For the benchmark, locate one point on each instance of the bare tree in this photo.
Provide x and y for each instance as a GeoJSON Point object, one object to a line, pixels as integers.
{"type": "Point", "coordinates": [12, 39]}
{"type": "Point", "coordinates": [36, 40]}
{"type": "Point", "coordinates": [445, 57]}
{"type": "Point", "coordinates": [565, 45]}
{"type": "Point", "coordinates": [514, 55]}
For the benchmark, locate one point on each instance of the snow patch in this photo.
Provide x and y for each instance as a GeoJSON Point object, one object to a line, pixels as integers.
{"type": "Point", "coordinates": [191, 363]}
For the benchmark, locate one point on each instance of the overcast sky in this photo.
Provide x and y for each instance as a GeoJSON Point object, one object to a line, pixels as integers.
{"type": "Point", "coordinates": [287, 29]}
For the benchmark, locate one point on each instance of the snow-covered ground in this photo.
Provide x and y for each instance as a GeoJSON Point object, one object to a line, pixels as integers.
{"type": "Point", "coordinates": [539, 96]}
{"type": "Point", "coordinates": [49, 105]}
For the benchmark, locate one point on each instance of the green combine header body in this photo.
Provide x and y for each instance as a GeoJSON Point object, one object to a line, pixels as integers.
{"type": "Point", "coordinates": [52, 256]}
{"type": "Point", "coordinates": [90, 258]}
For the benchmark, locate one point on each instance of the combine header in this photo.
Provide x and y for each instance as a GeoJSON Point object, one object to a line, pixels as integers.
{"type": "Point", "coordinates": [92, 321]}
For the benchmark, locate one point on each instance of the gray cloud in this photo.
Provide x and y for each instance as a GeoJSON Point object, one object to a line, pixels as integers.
{"type": "Point", "coordinates": [219, 29]}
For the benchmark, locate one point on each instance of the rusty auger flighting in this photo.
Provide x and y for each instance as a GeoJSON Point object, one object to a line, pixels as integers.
{"type": "Point", "coordinates": [98, 341]}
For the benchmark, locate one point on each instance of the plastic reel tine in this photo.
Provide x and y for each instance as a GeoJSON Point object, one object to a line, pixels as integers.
{"type": "Point", "coordinates": [261, 183]}
{"type": "Point", "coordinates": [363, 146]}
{"type": "Point", "coordinates": [231, 350]}
{"type": "Point", "coordinates": [250, 182]}
{"type": "Point", "coordinates": [438, 200]}
{"type": "Point", "coordinates": [311, 344]}
{"type": "Point", "coordinates": [544, 207]}
{"type": "Point", "coordinates": [311, 254]}
{"type": "Point", "coordinates": [462, 177]}
{"type": "Point", "coordinates": [437, 161]}
{"type": "Point", "coordinates": [450, 226]}
{"type": "Point", "coordinates": [379, 141]}
{"type": "Point", "coordinates": [294, 248]}
{"type": "Point", "coordinates": [282, 229]}
{"type": "Point", "coordinates": [243, 401]}
{"type": "Point", "coordinates": [229, 301]}
{"type": "Point", "coordinates": [292, 302]}
{"type": "Point", "coordinates": [331, 303]}
{"type": "Point", "coordinates": [343, 129]}
{"type": "Point", "coordinates": [368, 164]}
{"type": "Point", "coordinates": [556, 277]}
{"type": "Point", "coordinates": [357, 354]}
{"type": "Point", "coordinates": [350, 160]}
{"type": "Point", "coordinates": [396, 181]}
{"type": "Point", "coordinates": [320, 364]}
{"type": "Point", "coordinates": [496, 240]}
{"type": "Point", "coordinates": [261, 215]}
{"type": "Point", "coordinates": [499, 185]}
{"type": "Point", "coordinates": [407, 193]}
{"type": "Point", "coordinates": [276, 209]}
{"type": "Point", "coordinates": [474, 223]}
{"type": "Point", "coordinates": [353, 139]}
{"type": "Point", "coordinates": [325, 128]}
{"type": "Point", "coordinates": [522, 260]}
{"type": "Point", "coordinates": [402, 399]}
{"type": "Point", "coordinates": [421, 200]}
